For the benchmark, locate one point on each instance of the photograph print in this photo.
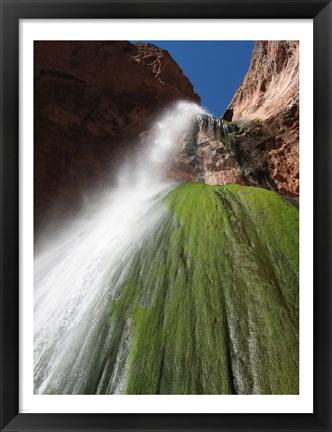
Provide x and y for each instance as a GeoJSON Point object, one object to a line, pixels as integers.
{"type": "Point", "coordinates": [166, 217]}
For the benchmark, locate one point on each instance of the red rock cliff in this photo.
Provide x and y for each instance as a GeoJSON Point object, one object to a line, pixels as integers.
{"type": "Point", "coordinates": [91, 101]}
{"type": "Point", "coordinates": [257, 141]}
{"type": "Point", "coordinates": [270, 94]}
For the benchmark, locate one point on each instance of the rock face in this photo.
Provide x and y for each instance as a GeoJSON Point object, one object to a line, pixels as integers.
{"type": "Point", "coordinates": [270, 94]}
{"type": "Point", "coordinates": [165, 69]}
{"type": "Point", "coordinates": [91, 102]}
{"type": "Point", "coordinates": [256, 142]}
{"type": "Point", "coordinates": [217, 152]}
{"type": "Point", "coordinates": [271, 85]}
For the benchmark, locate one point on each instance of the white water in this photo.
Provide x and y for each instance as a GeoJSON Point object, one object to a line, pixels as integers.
{"type": "Point", "coordinates": [79, 273]}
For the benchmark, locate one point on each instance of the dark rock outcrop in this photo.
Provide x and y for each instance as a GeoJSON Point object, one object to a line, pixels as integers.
{"type": "Point", "coordinates": [217, 152]}
{"type": "Point", "coordinates": [91, 102]}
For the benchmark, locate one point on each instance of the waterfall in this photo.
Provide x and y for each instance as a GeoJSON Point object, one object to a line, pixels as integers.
{"type": "Point", "coordinates": [225, 131]}
{"type": "Point", "coordinates": [214, 127]}
{"type": "Point", "coordinates": [78, 274]}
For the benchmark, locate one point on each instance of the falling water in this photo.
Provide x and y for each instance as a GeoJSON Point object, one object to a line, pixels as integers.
{"type": "Point", "coordinates": [78, 275]}
{"type": "Point", "coordinates": [225, 131]}
{"type": "Point", "coordinates": [214, 127]}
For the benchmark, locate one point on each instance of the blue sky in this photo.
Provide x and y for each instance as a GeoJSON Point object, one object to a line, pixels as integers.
{"type": "Point", "coordinates": [215, 68]}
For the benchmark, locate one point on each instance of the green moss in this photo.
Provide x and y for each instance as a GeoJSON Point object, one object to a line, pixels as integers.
{"type": "Point", "coordinates": [212, 300]}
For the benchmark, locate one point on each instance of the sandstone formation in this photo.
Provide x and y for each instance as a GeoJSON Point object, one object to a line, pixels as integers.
{"type": "Point", "coordinates": [270, 94]}
{"type": "Point", "coordinates": [91, 102]}
{"type": "Point", "coordinates": [165, 69]}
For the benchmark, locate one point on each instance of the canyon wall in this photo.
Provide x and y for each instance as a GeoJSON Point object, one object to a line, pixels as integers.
{"type": "Point", "coordinates": [269, 95]}
{"type": "Point", "coordinates": [92, 100]}
{"type": "Point", "coordinates": [256, 142]}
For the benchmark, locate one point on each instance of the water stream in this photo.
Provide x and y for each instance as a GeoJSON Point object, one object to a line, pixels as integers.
{"type": "Point", "coordinates": [77, 274]}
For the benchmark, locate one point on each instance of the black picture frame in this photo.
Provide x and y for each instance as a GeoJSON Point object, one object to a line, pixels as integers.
{"type": "Point", "coordinates": [14, 10]}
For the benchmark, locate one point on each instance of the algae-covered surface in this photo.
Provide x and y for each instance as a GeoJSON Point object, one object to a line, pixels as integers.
{"type": "Point", "coordinates": [210, 305]}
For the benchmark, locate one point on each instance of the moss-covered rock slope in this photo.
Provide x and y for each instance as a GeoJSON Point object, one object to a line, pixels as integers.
{"type": "Point", "coordinates": [212, 298]}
